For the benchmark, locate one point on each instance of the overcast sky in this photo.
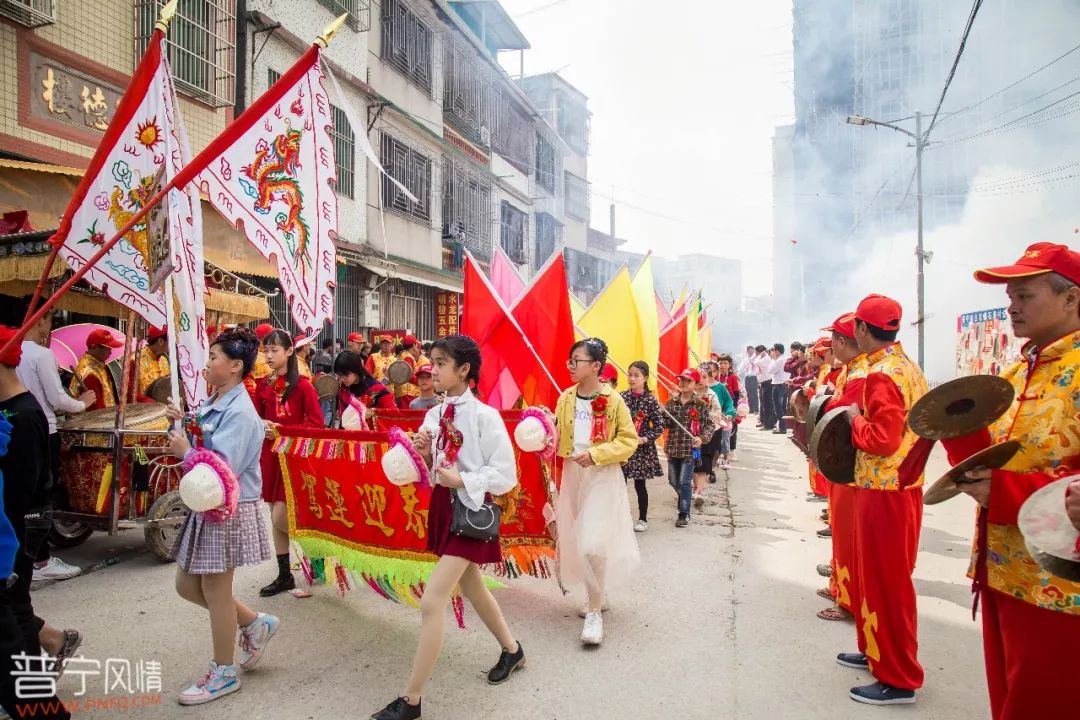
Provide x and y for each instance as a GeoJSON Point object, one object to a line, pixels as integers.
{"type": "Point", "coordinates": [684, 97]}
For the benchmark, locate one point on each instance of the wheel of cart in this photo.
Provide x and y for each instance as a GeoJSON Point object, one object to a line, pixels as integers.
{"type": "Point", "coordinates": [146, 493]}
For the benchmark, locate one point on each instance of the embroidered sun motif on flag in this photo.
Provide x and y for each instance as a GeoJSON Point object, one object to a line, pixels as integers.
{"type": "Point", "coordinates": [148, 133]}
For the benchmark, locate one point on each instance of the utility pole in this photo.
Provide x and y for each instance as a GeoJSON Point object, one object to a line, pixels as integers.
{"type": "Point", "coordinates": [920, 278]}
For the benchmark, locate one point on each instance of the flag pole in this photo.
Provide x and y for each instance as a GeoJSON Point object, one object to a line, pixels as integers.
{"type": "Point", "coordinates": [165, 16]}
{"type": "Point", "coordinates": [181, 179]}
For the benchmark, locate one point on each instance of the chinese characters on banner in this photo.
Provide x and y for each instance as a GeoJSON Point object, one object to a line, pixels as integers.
{"type": "Point", "coordinates": [985, 343]}
{"type": "Point", "coordinates": [447, 312]}
{"type": "Point", "coordinates": [395, 336]}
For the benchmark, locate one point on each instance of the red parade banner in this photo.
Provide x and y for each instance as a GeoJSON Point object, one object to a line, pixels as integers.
{"type": "Point", "coordinates": [343, 510]}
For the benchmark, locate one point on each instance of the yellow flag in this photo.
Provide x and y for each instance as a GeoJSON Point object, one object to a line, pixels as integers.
{"type": "Point", "coordinates": [648, 321]}
{"type": "Point", "coordinates": [613, 317]}
{"type": "Point", "coordinates": [692, 336]}
{"type": "Point", "coordinates": [706, 343]}
{"type": "Point", "coordinates": [577, 308]}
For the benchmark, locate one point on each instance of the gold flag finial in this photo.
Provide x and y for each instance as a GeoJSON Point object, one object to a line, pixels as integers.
{"type": "Point", "coordinates": [166, 15]}
{"type": "Point", "coordinates": [331, 30]}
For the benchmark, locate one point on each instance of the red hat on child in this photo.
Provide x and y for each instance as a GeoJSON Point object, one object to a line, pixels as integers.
{"type": "Point", "coordinates": [102, 337]}
{"type": "Point", "coordinates": [262, 330]}
{"type": "Point", "coordinates": [11, 357]}
{"type": "Point", "coordinates": [691, 374]}
{"type": "Point", "coordinates": [879, 311]}
{"type": "Point", "coordinates": [424, 370]}
{"type": "Point", "coordinates": [1038, 259]}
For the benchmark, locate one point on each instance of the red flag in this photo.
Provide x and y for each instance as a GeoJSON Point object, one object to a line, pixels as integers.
{"type": "Point", "coordinates": [502, 342]}
{"type": "Point", "coordinates": [543, 312]}
{"type": "Point", "coordinates": [674, 353]}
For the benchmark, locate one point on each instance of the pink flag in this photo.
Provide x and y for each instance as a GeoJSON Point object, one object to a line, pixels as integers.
{"type": "Point", "coordinates": [504, 277]}
{"type": "Point", "coordinates": [662, 313]}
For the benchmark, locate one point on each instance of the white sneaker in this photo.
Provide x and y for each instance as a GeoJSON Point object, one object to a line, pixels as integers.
{"type": "Point", "coordinates": [725, 465]}
{"type": "Point", "coordinates": [583, 611]}
{"type": "Point", "coordinates": [641, 526]}
{"type": "Point", "coordinates": [219, 680]}
{"type": "Point", "coordinates": [593, 632]}
{"type": "Point", "coordinates": [56, 569]}
{"type": "Point", "coordinates": [731, 457]}
{"type": "Point", "coordinates": [254, 639]}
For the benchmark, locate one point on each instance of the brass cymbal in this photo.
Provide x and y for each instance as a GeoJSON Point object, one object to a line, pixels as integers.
{"type": "Point", "coordinates": [817, 409]}
{"type": "Point", "coordinates": [831, 449]}
{"type": "Point", "coordinates": [798, 405]}
{"type": "Point", "coordinates": [949, 485]}
{"type": "Point", "coordinates": [960, 407]}
{"type": "Point", "coordinates": [1050, 537]}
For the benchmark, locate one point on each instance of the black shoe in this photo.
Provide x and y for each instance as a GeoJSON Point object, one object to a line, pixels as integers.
{"type": "Point", "coordinates": [281, 584]}
{"type": "Point", "coordinates": [825, 532]}
{"type": "Point", "coordinates": [683, 521]}
{"type": "Point", "coordinates": [508, 663]}
{"type": "Point", "coordinates": [853, 660]}
{"type": "Point", "coordinates": [881, 694]}
{"type": "Point", "coordinates": [400, 709]}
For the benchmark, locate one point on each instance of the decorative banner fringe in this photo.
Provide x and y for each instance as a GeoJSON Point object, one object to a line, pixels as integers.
{"type": "Point", "coordinates": [521, 560]}
{"type": "Point", "coordinates": [396, 579]}
{"type": "Point", "coordinates": [325, 448]}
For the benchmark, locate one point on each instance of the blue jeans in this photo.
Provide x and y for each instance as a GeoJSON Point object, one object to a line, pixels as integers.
{"type": "Point", "coordinates": [681, 478]}
{"type": "Point", "coordinates": [780, 402]}
{"type": "Point", "coordinates": [725, 442]}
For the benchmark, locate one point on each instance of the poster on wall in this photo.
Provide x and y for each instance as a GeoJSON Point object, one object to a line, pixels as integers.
{"type": "Point", "coordinates": [447, 310]}
{"type": "Point", "coordinates": [985, 343]}
{"type": "Point", "coordinates": [394, 335]}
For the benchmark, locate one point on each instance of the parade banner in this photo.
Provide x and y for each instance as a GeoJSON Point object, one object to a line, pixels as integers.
{"type": "Point", "coordinates": [272, 174]}
{"type": "Point", "coordinates": [447, 313]}
{"type": "Point", "coordinates": [347, 517]}
{"type": "Point", "coordinates": [985, 343]}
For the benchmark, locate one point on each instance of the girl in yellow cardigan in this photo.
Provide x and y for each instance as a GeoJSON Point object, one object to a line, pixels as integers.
{"type": "Point", "coordinates": [597, 547]}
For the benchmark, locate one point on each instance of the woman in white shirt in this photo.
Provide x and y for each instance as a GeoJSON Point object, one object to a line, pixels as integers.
{"type": "Point", "coordinates": [466, 444]}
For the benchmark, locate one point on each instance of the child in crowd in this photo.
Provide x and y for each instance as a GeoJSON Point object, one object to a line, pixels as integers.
{"type": "Point", "coordinates": [691, 426]}
{"type": "Point", "coordinates": [466, 445]}
{"type": "Point", "coordinates": [647, 416]}
{"type": "Point", "coordinates": [208, 549]}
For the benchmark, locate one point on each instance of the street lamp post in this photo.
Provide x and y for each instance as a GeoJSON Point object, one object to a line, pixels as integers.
{"type": "Point", "coordinates": [920, 256]}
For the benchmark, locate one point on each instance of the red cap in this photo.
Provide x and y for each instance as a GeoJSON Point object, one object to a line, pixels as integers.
{"type": "Point", "coordinates": [409, 340]}
{"type": "Point", "coordinates": [11, 357]}
{"type": "Point", "coordinates": [262, 330]}
{"type": "Point", "coordinates": [211, 330]}
{"type": "Point", "coordinates": [879, 311]}
{"type": "Point", "coordinates": [356, 337]}
{"type": "Point", "coordinates": [101, 336]}
{"type": "Point", "coordinates": [1038, 259]}
{"type": "Point", "coordinates": [155, 333]}
{"type": "Point", "coordinates": [609, 373]}
{"type": "Point", "coordinates": [843, 325]}
{"type": "Point", "coordinates": [691, 374]}
{"type": "Point", "coordinates": [424, 369]}
{"type": "Point", "coordinates": [386, 338]}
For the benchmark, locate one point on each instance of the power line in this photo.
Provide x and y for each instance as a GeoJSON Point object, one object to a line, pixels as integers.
{"type": "Point", "coordinates": [1011, 85]}
{"type": "Point", "coordinates": [538, 9]}
{"type": "Point", "coordinates": [1007, 126]}
{"type": "Point", "coordinates": [956, 61]}
{"type": "Point", "coordinates": [1011, 109]}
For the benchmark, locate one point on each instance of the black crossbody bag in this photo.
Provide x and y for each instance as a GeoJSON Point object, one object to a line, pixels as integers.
{"type": "Point", "coordinates": [482, 524]}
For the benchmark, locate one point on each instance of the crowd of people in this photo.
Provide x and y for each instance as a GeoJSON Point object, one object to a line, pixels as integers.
{"type": "Point", "coordinates": [263, 378]}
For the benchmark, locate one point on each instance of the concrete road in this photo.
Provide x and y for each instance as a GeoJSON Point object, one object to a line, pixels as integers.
{"type": "Point", "coordinates": [719, 623]}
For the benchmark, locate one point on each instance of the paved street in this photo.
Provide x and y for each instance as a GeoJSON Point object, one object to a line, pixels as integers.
{"type": "Point", "coordinates": [719, 623]}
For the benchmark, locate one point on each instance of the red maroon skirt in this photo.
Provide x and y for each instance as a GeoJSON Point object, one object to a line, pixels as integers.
{"type": "Point", "coordinates": [273, 484]}
{"type": "Point", "coordinates": [442, 542]}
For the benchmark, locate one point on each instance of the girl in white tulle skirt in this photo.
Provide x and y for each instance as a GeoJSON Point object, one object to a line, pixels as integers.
{"type": "Point", "coordinates": [597, 548]}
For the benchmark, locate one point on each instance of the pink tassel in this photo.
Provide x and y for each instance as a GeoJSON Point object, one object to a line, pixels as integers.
{"type": "Point", "coordinates": [375, 586]}
{"type": "Point", "coordinates": [305, 567]}
{"type": "Point", "coordinates": [342, 580]}
{"type": "Point", "coordinates": [459, 610]}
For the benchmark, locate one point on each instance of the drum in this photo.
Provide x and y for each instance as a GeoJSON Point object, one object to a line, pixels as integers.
{"type": "Point", "coordinates": [116, 372]}
{"type": "Point", "coordinates": [160, 390]}
{"type": "Point", "coordinates": [399, 372]}
{"type": "Point", "coordinates": [327, 386]}
{"type": "Point", "coordinates": [831, 449]}
{"type": "Point", "coordinates": [86, 458]}
{"type": "Point", "coordinates": [1048, 533]}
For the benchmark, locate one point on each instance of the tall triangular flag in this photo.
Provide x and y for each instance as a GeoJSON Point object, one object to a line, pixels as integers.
{"type": "Point", "coordinates": [692, 329]}
{"type": "Point", "coordinates": [271, 173]}
{"type": "Point", "coordinates": [648, 319]}
{"type": "Point", "coordinates": [577, 308]}
{"type": "Point", "coordinates": [543, 313]}
{"type": "Point", "coordinates": [663, 314]}
{"type": "Point", "coordinates": [504, 277]}
{"type": "Point", "coordinates": [502, 342]}
{"type": "Point", "coordinates": [674, 354]}
{"type": "Point", "coordinates": [144, 147]}
{"type": "Point", "coordinates": [613, 318]}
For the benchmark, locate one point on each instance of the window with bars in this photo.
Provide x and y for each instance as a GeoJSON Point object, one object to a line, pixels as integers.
{"type": "Point", "coordinates": [344, 152]}
{"type": "Point", "coordinates": [547, 163]}
{"type": "Point", "coordinates": [272, 76]}
{"type": "Point", "coordinates": [410, 168]}
{"type": "Point", "coordinates": [359, 12]}
{"type": "Point", "coordinates": [467, 207]}
{"type": "Point", "coordinates": [466, 92]}
{"type": "Point", "coordinates": [577, 197]}
{"type": "Point", "coordinates": [514, 232]}
{"type": "Point", "coordinates": [512, 131]}
{"type": "Point", "coordinates": [573, 124]}
{"type": "Point", "coordinates": [549, 233]}
{"type": "Point", "coordinates": [407, 43]}
{"type": "Point", "coordinates": [200, 45]}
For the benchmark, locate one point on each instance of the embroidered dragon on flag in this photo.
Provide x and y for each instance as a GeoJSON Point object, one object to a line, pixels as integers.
{"type": "Point", "coordinates": [274, 173]}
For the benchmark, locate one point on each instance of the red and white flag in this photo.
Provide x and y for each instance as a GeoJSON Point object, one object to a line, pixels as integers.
{"type": "Point", "coordinates": [271, 173]}
{"type": "Point", "coordinates": [143, 148]}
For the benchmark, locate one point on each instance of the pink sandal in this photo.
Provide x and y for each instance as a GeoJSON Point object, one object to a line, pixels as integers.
{"type": "Point", "coordinates": [833, 613]}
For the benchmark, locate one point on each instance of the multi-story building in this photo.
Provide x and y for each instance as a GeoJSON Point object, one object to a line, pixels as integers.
{"type": "Point", "coordinates": [788, 279]}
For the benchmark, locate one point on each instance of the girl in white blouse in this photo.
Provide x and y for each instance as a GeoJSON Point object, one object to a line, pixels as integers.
{"type": "Point", "coordinates": [466, 444]}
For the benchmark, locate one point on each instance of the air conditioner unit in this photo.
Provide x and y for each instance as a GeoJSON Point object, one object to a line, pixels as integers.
{"type": "Point", "coordinates": [369, 310]}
